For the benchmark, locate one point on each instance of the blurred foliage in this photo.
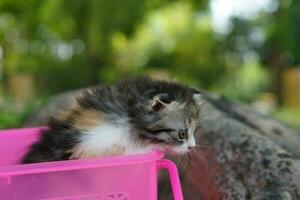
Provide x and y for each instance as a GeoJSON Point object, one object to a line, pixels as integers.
{"type": "Point", "coordinates": [283, 29]}
{"type": "Point", "coordinates": [251, 78]}
{"type": "Point", "coordinates": [176, 39]}
{"type": "Point", "coordinates": [290, 117]}
{"type": "Point", "coordinates": [68, 44]}
{"type": "Point", "coordinates": [13, 117]}
{"type": "Point", "coordinates": [10, 119]}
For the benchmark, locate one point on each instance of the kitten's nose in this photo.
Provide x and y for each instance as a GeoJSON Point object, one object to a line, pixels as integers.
{"type": "Point", "coordinates": [192, 142]}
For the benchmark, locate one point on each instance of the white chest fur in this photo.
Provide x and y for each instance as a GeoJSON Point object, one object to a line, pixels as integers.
{"type": "Point", "coordinates": [107, 139]}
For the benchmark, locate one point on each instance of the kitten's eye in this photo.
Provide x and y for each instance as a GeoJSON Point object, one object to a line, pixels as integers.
{"type": "Point", "coordinates": [182, 135]}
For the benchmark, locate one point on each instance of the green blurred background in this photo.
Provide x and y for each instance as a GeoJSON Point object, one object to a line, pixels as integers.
{"type": "Point", "coordinates": [246, 50]}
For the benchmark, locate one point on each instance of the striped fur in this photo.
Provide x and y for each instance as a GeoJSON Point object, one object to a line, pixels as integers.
{"type": "Point", "coordinates": [132, 116]}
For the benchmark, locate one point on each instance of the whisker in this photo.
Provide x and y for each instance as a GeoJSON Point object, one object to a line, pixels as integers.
{"type": "Point", "coordinates": [179, 160]}
{"type": "Point", "coordinates": [196, 155]}
{"type": "Point", "coordinates": [200, 146]}
{"type": "Point", "coordinates": [192, 160]}
{"type": "Point", "coordinates": [183, 162]}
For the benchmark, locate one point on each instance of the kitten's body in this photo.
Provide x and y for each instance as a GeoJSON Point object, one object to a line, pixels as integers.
{"type": "Point", "coordinates": [130, 117]}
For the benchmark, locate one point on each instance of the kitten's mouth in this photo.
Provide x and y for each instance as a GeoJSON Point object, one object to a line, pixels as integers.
{"type": "Point", "coordinates": [173, 151]}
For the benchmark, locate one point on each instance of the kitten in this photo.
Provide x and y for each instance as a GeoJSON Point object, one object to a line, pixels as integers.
{"type": "Point", "coordinates": [133, 116]}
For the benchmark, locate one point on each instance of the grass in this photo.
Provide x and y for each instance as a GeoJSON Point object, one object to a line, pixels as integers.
{"type": "Point", "coordinates": [289, 116]}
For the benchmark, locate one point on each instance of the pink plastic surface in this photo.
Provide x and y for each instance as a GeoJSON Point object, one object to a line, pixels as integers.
{"type": "Point", "coordinates": [114, 178]}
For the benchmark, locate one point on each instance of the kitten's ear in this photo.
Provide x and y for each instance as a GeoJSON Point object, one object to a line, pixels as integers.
{"type": "Point", "coordinates": [159, 101]}
{"type": "Point", "coordinates": [198, 99]}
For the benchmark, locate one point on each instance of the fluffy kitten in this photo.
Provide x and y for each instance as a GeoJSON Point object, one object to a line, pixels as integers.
{"type": "Point", "coordinates": [130, 117]}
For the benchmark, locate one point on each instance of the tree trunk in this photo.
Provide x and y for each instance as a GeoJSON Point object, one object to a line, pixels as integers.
{"type": "Point", "coordinates": [241, 154]}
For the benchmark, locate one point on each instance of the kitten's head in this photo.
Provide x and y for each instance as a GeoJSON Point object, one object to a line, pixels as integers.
{"type": "Point", "coordinates": [170, 120]}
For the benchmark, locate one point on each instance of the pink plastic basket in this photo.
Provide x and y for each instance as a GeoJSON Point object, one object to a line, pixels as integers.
{"type": "Point", "coordinates": [114, 178]}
